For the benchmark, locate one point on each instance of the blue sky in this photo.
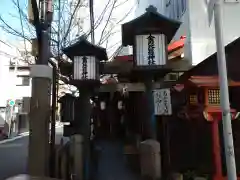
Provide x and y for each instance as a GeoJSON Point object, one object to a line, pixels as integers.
{"type": "Point", "coordinates": [8, 10]}
{"type": "Point", "coordinates": [9, 13]}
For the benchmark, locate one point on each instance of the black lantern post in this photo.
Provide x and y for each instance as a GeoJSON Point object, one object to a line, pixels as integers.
{"type": "Point", "coordinates": [85, 76]}
{"type": "Point", "coordinates": [67, 113]}
{"type": "Point", "coordinates": [149, 35]}
{"type": "Point", "coordinates": [67, 108]}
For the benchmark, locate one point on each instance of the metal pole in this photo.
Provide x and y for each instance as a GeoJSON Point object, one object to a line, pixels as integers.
{"type": "Point", "coordinates": [226, 114]}
{"type": "Point", "coordinates": [53, 118]}
{"type": "Point", "coordinates": [87, 148]}
{"type": "Point", "coordinates": [91, 7]}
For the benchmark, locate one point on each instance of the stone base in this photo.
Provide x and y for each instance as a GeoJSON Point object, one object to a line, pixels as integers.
{"type": "Point", "coordinates": [176, 176]}
{"type": "Point", "coordinates": [200, 178]}
{"type": "Point", "coordinates": [27, 177]}
{"type": "Point", "coordinates": [149, 178]}
{"type": "Point", "coordinates": [150, 159]}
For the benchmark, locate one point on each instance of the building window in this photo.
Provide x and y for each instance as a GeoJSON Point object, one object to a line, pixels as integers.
{"type": "Point", "coordinates": [26, 81]}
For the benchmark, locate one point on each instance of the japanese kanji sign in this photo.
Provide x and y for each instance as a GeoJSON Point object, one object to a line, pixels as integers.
{"type": "Point", "coordinates": [162, 102]}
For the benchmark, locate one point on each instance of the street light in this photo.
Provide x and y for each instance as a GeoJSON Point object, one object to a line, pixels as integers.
{"type": "Point", "coordinates": [149, 35]}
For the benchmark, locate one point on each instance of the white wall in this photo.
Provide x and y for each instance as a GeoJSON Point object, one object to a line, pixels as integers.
{"type": "Point", "coordinates": [8, 80]}
{"type": "Point", "coordinates": [17, 92]}
{"type": "Point", "coordinates": [3, 80]}
{"type": "Point", "coordinates": [6, 54]}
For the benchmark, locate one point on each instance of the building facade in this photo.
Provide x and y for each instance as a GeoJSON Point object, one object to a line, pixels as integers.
{"type": "Point", "coordinates": [198, 24]}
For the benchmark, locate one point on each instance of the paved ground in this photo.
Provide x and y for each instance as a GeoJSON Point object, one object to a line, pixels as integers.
{"type": "Point", "coordinates": [112, 163]}
{"type": "Point", "coordinates": [14, 154]}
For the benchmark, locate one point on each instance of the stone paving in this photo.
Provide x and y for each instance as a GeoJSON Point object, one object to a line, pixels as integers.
{"type": "Point", "coordinates": [112, 163]}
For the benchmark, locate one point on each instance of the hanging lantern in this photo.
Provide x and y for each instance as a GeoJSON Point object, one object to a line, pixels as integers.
{"type": "Point", "coordinates": [67, 107]}
{"type": "Point", "coordinates": [125, 91]}
{"type": "Point", "coordinates": [120, 105]}
{"type": "Point", "coordinates": [102, 105]}
{"type": "Point", "coordinates": [149, 35]}
{"type": "Point", "coordinates": [85, 68]}
{"type": "Point", "coordinates": [86, 58]}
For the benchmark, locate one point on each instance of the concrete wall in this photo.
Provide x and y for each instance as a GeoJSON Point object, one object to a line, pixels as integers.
{"type": "Point", "coordinates": [143, 4]}
{"type": "Point", "coordinates": [184, 29]}
{"type": "Point", "coordinates": [17, 92]}
{"type": "Point", "coordinates": [202, 27]}
{"type": "Point", "coordinates": [198, 24]}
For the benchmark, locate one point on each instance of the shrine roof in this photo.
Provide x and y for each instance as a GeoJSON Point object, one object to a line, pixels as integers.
{"type": "Point", "coordinates": [209, 81]}
{"type": "Point", "coordinates": [176, 44]}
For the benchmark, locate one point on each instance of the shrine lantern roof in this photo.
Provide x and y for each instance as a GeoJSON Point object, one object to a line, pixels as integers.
{"type": "Point", "coordinates": [209, 81]}
{"type": "Point", "coordinates": [84, 48]}
{"type": "Point", "coordinates": [150, 22]}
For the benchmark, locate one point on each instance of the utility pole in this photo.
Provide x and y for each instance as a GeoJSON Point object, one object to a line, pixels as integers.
{"type": "Point", "coordinates": [225, 106]}
{"type": "Point", "coordinates": [91, 9]}
{"type": "Point", "coordinates": [41, 74]}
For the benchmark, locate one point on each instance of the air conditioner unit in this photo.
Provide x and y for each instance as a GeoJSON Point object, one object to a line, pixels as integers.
{"type": "Point", "coordinates": [171, 77]}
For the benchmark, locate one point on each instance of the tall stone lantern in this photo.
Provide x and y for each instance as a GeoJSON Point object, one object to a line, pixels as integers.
{"type": "Point", "coordinates": [85, 76]}
{"type": "Point", "coordinates": [149, 34]}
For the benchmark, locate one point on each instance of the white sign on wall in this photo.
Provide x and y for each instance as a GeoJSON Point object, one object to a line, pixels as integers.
{"type": "Point", "coordinates": [162, 102]}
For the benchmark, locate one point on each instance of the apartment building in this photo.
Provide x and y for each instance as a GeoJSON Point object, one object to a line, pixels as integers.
{"type": "Point", "coordinates": [198, 24]}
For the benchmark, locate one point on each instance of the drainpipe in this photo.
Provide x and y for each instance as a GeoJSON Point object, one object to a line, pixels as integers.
{"type": "Point", "coordinates": [53, 118]}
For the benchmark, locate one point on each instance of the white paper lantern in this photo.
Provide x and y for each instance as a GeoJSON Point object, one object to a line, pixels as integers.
{"type": "Point", "coordinates": [84, 68]}
{"type": "Point", "coordinates": [120, 105]}
{"type": "Point", "coordinates": [102, 105]}
{"type": "Point", "coordinates": [150, 50]}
